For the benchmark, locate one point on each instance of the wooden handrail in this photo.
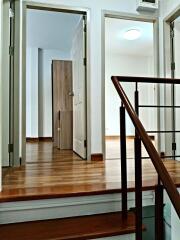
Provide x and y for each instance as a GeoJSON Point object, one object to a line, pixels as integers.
{"type": "Point", "coordinates": [147, 80]}
{"type": "Point", "coordinates": [156, 160]}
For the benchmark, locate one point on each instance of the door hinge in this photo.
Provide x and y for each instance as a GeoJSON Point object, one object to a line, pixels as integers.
{"type": "Point", "coordinates": [174, 146]}
{"type": "Point", "coordinates": [172, 30]}
{"type": "Point", "coordinates": [172, 33]}
{"type": "Point", "coordinates": [10, 147]}
{"type": "Point", "coordinates": [11, 50]}
{"type": "Point", "coordinates": [85, 61]}
{"type": "Point", "coordinates": [85, 28]}
{"type": "Point", "coordinates": [85, 143]}
{"type": "Point", "coordinates": [173, 66]}
{"type": "Point", "coordinates": [11, 13]}
{"type": "Point", "coordinates": [85, 25]}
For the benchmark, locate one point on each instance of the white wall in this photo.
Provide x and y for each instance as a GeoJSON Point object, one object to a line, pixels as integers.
{"type": "Point", "coordinates": [94, 44]}
{"type": "Point", "coordinates": [96, 8]}
{"type": "Point", "coordinates": [167, 6]}
{"type": "Point", "coordinates": [32, 93]}
{"type": "Point", "coordinates": [128, 66]}
{"type": "Point", "coordinates": [39, 90]}
{"type": "Point", "coordinates": [1, 21]}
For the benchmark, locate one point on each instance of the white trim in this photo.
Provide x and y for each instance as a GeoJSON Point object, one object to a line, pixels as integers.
{"type": "Point", "coordinates": [23, 211]}
{"type": "Point", "coordinates": [167, 64]}
{"type": "Point", "coordinates": [167, 51]}
{"type": "Point", "coordinates": [88, 82]}
{"type": "Point", "coordinates": [1, 57]}
{"type": "Point", "coordinates": [133, 17]}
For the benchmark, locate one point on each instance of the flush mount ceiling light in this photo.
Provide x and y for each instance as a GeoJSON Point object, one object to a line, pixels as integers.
{"type": "Point", "coordinates": [132, 34]}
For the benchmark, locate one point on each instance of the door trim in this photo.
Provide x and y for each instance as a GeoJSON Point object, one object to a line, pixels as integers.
{"type": "Point", "coordinates": [167, 44]}
{"type": "Point", "coordinates": [133, 17]}
{"type": "Point", "coordinates": [168, 72]}
{"type": "Point", "coordinates": [58, 8]}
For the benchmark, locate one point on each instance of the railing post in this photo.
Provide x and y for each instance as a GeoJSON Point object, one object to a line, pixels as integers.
{"type": "Point", "coordinates": [138, 187]}
{"type": "Point", "coordinates": [141, 135]}
{"type": "Point", "coordinates": [123, 160]}
{"type": "Point", "coordinates": [136, 99]}
{"type": "Point", "coordinates": [138, 175]}
{"type": "Point", "coordinates": [159, 212]}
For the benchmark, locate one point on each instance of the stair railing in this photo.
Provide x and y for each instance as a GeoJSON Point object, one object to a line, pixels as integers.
{"type": "Point", "coordinates": [164, 179]}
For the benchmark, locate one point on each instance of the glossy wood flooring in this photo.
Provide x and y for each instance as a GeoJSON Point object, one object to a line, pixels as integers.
{"type": "Point", "coordinates": [50, 173]}
{"type": "Point", "coordinates": [113, 148]}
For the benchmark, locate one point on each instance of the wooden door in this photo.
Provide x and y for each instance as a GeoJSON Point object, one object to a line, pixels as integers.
{"type": "Point", "coordinates": [62, 104]}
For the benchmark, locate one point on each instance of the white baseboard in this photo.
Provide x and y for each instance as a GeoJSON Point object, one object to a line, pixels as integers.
{"type": "Point", "coordinates": [23, 211]}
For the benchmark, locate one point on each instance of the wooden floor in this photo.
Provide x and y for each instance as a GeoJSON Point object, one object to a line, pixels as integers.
{"type": "Point", "coordinates": [50, 173]}
{"type": "Point", "coordinates": [113, 148]}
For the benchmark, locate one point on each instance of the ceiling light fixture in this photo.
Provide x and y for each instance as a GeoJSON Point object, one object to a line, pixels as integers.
{"type": "Point", "coordinates": [132, 34]}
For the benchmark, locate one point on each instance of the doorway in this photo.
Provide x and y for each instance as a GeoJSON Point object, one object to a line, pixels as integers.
{"type": "Point", "coordinates": [175, 73]}
{"type": "Point", "coordinates": [56, 77]}
{"type": "Point", "coordinates": [172, 70]}
{"type": "Point", "coordinates": [130, 50]}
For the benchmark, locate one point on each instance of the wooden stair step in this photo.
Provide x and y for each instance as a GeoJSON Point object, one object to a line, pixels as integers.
{"type": "Point", "coordinates": [85, 227]}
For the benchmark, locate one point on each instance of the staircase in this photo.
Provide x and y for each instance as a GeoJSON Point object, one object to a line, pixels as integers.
{"type": "Point", "coordinates": [83, 217]}
{"type": "Point", "coordinates": [85, 227]}
{"type": "Point", "coordinates": [112, 215]}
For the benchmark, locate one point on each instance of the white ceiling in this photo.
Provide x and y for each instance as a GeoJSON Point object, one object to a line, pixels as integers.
{"type": "Point", "coordinates": [51, 30]}
{"type": "Point", "coordinates": [115, 43]}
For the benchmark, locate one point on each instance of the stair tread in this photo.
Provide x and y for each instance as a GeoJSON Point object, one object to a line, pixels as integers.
{"type": "Point", "coordinates": [85, 227]}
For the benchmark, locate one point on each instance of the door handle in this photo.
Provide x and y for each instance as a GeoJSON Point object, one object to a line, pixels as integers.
{"type": "Point", "coordinates": [71, 94]}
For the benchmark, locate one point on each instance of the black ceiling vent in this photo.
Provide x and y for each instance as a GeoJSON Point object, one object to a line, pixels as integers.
{"type": "Point", "coordinates": [149, 1]}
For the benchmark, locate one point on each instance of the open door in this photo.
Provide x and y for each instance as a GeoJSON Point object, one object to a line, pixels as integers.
{"type": "Point", "coordinates": [79, 89]}
{"type": "Point", "coordinates": [11, 79]}
{"type": "Point", "coordinates": [15, 82]}
{"type": "Point", "coordinates": [5, 82]}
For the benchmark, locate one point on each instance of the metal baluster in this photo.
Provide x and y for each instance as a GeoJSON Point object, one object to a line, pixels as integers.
{"type": "Point", "coordinates": [138, 175]}
{"type": "Point", "coordinates": [159, 213]}
{"type": "Point", "coordinates": [123, 160]}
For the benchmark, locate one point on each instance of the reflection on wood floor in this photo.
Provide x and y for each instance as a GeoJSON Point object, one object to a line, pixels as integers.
{"type": "Point", "coordinates": [51, 173]}
{"type": "Point", "coordinates": [113, 148]}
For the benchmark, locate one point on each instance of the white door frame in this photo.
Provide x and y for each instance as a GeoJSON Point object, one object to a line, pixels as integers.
{"type": "Point", "coordinates": [167, 66]}
{"type": "Point", "coordinates": [167, 49]}
{"type": "Point", "coordinates": [10, 84]}
{"type": "Point", "coordinates": [5, 42]}
{"type": "Point", "coordinates": [133, 17]}
{"type": "Point", "coordinates": [58, 8]}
